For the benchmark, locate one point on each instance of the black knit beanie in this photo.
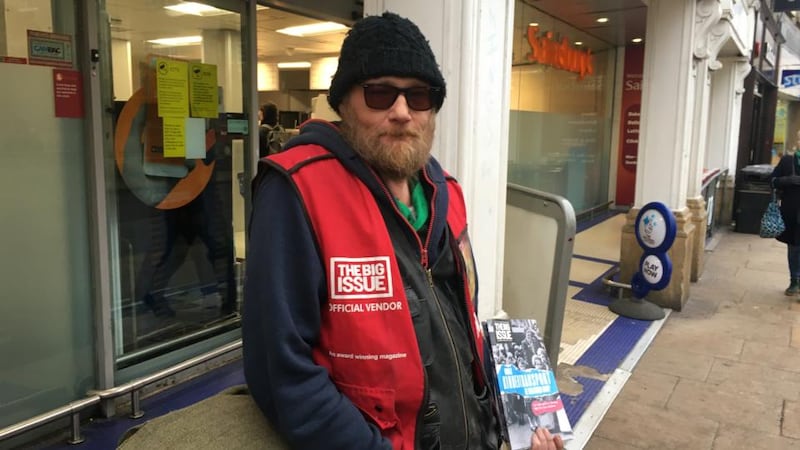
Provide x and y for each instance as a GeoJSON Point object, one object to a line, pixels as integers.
{"type": "Point", "coordinates": [385, 45]}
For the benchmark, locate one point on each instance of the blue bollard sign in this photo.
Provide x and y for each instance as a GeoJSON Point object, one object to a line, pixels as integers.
{"type": "Point", "coordinates": [655, 230]}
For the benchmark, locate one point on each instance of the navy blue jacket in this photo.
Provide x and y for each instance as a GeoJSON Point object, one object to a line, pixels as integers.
{"type": "Point", "coordinates": [285, 288]}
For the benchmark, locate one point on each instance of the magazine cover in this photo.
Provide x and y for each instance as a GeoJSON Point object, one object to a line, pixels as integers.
{"type": "Point", "coordinates": [525, 383]}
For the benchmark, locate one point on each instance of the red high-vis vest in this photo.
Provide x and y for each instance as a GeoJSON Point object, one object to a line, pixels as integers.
{"type": "Point", "coordinates": [367, 341]}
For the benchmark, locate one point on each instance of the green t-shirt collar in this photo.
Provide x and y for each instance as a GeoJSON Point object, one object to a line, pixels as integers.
{"type": "Point", "coordinates": [418, 214]}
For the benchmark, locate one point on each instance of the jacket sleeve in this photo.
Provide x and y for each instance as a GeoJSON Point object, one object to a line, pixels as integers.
{"type": "Point", "coordinates": [284, 291]}
{"type": "Point", "coordinates": [782, 176]}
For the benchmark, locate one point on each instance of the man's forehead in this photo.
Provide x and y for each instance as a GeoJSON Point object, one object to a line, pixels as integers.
{"type": "Point", "coordinates": [397, 81]}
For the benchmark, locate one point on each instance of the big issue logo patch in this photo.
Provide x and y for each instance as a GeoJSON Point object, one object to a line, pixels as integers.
{"type": "Point", "coordinates": [360, 278]}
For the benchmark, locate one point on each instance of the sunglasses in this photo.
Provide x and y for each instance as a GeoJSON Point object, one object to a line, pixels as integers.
{"type": "Point", "coordinates": [418, 98]}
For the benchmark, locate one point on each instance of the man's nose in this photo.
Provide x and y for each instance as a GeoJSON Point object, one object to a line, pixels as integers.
{"type": "Point", "coordinates": [400, 110]}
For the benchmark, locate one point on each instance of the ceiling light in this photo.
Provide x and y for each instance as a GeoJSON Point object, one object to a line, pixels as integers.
{"type": "Point", "coordinates": [196, 9]}
{"type": "Point", "coordinates": [199, 9]}
{"type": "Point", "coordinates": [636, 40]}
{"type": "Point", "coordinates": [312, 29]}
{"type": "Point", "coordinates": [177, 41]}
{"type": "Point", "coordinates": [533, 24]}
{"type": "Point", "coordinates": [602, 20]}
{"type": "Point", "coordinates": [294, 65]}
{"type": "Point", "coordinates": [578, 43]}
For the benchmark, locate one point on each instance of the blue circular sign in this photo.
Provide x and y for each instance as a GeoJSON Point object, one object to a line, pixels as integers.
{"type": "Point", "coordinates": [655, 228]}
{"type": "Point", "coordinates": [655, 269]}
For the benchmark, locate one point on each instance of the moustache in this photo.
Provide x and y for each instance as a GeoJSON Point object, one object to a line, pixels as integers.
{"type": "Point", "coordinates": [401, 134]}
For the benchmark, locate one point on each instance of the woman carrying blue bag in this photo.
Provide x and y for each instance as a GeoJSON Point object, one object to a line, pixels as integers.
{"type": "Point", "coordinates": [786, 179]}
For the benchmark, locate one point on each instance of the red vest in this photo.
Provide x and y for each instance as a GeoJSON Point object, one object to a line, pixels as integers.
{"type": "Point", "coordinates": [367, 341]}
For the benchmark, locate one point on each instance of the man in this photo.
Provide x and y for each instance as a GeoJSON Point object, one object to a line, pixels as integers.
{"type": "Point", "coordinates": [358, 324]}
{"type": "Point", "coordinates": [270, 133]}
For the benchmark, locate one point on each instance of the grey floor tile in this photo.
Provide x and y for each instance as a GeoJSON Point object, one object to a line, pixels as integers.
{"type": "Point", "coordinates": [791, 420]}
{"type": "Point", "coordinates": [649, 427]}
{"type": "Point", "coordinates": [649, 388]}
{"type": "Point", "coordinates": [698, 337]}
{"type": "Point", "coordinates": [601, 443]}
{"type": "Point", "coordinates": [675, 361]}
{"type": "Point", "coordinates": [742, 408]}
{"type": "Point", "coordinates": [776, 356]}
{"type": "Point", "coordinates": [734, 437]}
{"type": "Point", "coordinates": [754, 377]}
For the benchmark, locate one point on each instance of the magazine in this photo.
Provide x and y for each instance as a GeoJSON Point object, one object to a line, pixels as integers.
{"type": "Point", "coordinates": [525, 384]}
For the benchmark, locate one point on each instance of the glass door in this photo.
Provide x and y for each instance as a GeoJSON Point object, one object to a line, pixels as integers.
{"type": "Point", "coordinates": [175, 97]}
{"type": "Point", "coordinates": [46, 340]}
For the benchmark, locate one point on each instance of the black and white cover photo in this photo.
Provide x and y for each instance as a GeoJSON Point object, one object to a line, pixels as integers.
{"type": "Point", "coordinates": [525, 383]}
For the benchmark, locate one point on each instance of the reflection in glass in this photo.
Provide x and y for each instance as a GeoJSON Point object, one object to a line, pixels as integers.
{"type": "Point", "coordinates": [560, 120]}
{"type": "Point", "coordinates": [178, 127]}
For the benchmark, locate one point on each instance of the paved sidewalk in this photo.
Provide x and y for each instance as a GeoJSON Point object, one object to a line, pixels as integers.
{"type": "Point", "coordinates": [724, 373]}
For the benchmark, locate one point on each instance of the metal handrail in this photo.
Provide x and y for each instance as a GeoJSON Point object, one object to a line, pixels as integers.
{"type": "Point", "coordinates": [74, 408]}
{"type": "Point", "coordinates": [130, 357]}
{"type": "Point", "coordinates": [609, 282]}
{"type": "Point", "coordinates": [713, 178]}
{"type": "Point", "coordinates": [705, 190]}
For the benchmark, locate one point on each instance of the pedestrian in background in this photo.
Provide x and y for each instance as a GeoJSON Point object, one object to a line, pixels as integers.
{"type": "Point", "coordinates": [786, 179]}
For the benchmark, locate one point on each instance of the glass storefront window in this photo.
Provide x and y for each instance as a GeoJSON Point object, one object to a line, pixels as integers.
{"type": "Point", "coordinates": [562, 84]}
{"type": "Point", "coordinates": [179, 140]}
{"type": "Point", "coordinates": [46, 336]}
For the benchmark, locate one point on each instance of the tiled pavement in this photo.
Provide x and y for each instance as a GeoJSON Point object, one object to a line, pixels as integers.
{"type": "Point", "coordinates": [723, 373]}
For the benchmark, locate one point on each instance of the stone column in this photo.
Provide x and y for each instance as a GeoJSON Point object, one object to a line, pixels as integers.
{"type": "Point", "coordinates": [699, 219]}
{"type": "Point", "coordinates": [724, 119]}
{"type": "Point", "coordinates": [668, 98]}
{"type": "Point", "coordinates": [695, 202]}
{"type": "Point", "coordinates": [713, 29]}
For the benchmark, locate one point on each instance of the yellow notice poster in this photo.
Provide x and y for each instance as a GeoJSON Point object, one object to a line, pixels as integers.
{"type": "Point", "coordinates": [172, 89]}
{"type": "Point", "coordinates": [203, 94]}
{"type": "Point", "coordinates": [174, 137]}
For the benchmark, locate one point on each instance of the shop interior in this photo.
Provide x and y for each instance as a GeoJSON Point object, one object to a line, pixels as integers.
{"type": "Point", "coordinates": [180, 264]}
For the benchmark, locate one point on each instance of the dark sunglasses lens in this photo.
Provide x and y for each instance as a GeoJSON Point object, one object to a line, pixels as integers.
{"type": "Point", "coordinates": [419, 98]}
{"type": "Point", "coordinates": [377, 96]}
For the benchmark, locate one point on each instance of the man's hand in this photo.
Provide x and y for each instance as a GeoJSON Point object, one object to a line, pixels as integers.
{"type": "Point", "coordinates": [543, 440]}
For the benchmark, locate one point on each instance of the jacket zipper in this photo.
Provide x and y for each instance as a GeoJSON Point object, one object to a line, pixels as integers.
{"type": "Point", "coordinates": [455, 356]}
{"type": "Point", "coordinates": [423, 247]}
{"type": "Point", "coordinates": [425, 262]}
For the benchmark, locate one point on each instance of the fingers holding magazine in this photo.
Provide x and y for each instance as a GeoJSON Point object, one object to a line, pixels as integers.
{"type": "Point", "coordinates": [543, 440]}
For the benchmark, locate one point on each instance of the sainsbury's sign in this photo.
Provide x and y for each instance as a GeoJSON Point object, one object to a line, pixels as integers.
{"type": "Point", "coordinates": [559, 54]}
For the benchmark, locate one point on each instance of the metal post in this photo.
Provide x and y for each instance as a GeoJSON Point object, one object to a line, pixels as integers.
{"type": "Point", "coordinates": [76, 429]}
{"type": "Point", "coordinates": [136, 411]}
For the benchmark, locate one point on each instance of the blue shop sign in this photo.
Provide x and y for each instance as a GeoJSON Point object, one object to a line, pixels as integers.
{"type": "Point", "coordinates": [790, 78]}
{"type": "Point", "coordinates": [786, 5]}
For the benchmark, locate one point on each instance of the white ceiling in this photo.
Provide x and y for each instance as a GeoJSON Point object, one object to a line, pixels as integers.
{"type": "Point", "coordinates": [626, 18]}
{"type": "Point", "coordinates": [138, 21]}
{"type": "Point", "coordinates": [143, 20]}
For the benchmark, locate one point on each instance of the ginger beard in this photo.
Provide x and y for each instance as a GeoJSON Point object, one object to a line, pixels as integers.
{"type": "Point", "coordinates": [395, 153]}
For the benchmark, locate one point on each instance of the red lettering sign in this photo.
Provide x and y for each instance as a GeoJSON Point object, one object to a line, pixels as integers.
{"type": "Point", "coordinates": [559, 54]}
